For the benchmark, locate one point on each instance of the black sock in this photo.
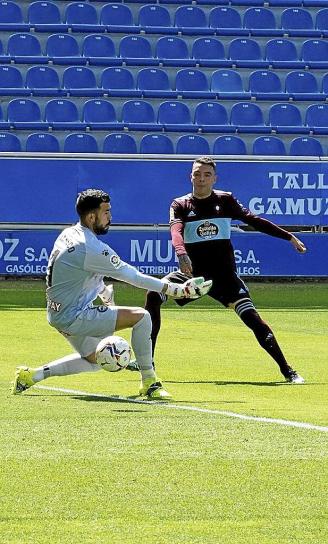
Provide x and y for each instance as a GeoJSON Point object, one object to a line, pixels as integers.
{"type": "Point", "coordinates": [153, 306]}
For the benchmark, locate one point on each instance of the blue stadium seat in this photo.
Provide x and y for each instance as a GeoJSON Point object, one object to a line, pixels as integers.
{"type": "Point", "coordinates": [62, 114]}
{"type": "Point", "coordinates": [306, 146]}
{"type": "Point", "coordinates": [192, 84]}
{"type": "Point", "coordinates": [286, 118]}
{"type": "Point", "coordinates": [99, 49]}
{"type": "Point", "coordinates": [156, 144]}
{"type": "Point", "coordinates": [3, 57]}
{"type": "Point", "coordinates": [208, 51]}
{"type": "Point", "coordinates": [80, 143]}
{"type": "Point", "coordinates": [81, 17]}
{"type": "Point", "coordinates": [303, 85]}
{"type": "Point", "coordinates": [229, 145]}
{"type": "Point", "coordinates": [173, 51]}
{"type": "Point", "coordinates": [80, 81]}
{"type": "Point", "coordinates": [63, 49]}
{"type": "Point", "coordinates": [228, 84]}
{"type": "Point", "coordinates": [139, 115]}
{"type": "Point", "coordinates": [191, 17]}
{"type": "Point", "coordinates": [120, 143]}
{"type": "Point", "coordinates": [226, 20]}
{"type": "Point", "coordinates": [119, 82]}
{"type": "Point", "coordinates": [316, 117]}
{"type": "Point", "coordinates": [260, 21]}
{"type": "Point", "coordinates": [42, 142]}
{"type": "Point", "coordinates": [245, 52]}
{"type": "Point", "coordinates": [155, 18]}
{"type": "Point", "coordinates": [9, 142]}
{"type": "Point", "coordinates": [25, 48]}
{"type": "Point", "coordinates": [247, 117]}
{"type": "Point", "coordinates": [265, 85]}
{"type": "Point", "coordinates": [11, 81]}
{"type": "Point", "coordinates": [324, 84]}
{"type": "Point", "coordinates": [297, 22]}
{"type": "Point", "coordinates": [175, 116]}
{"type": "Point", "coordinates": [282, 53]}
{"type": "Point", "coordinates": [43, 81]}
{"type": "Point", "coordinates": [45, 16]}
{"type": "Point", "coordinates": [192, 144]}
{"type": "Point", "coordinates": [211, 117]}
{"type": "Point", "coordinates": [269, 145]}
{"type": "Point", "coordinates": [154, 82]}
{"type": "Point", "coordinates": [321, 21]}
{"type": "Point", "coordinates": [315, 53]}
{"type": "Point", "coordinates": [11, 17]}
{"type": "Point", "coordinates": [99, 114]}
{"type": "Point", "coordinates": [136, 50]}
{"type": "Point", "coordinates": [117, 18]}
{"type": "Point", "coordinates": [24, 113]}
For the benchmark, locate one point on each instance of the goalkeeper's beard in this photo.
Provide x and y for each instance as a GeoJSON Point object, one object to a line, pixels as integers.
{"type": "Point", "coordinates": [99, 229]}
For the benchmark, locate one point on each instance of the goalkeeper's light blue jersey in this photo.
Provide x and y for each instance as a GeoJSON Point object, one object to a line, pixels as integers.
{"type": "Point", "coordinates": [77, 265]}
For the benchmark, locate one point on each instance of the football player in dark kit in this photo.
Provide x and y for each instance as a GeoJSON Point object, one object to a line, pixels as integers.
{"type": "Point", "coordinates": [200, 224]}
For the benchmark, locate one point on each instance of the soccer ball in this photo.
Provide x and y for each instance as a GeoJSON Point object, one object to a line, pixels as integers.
{"type": "Point", "coordinates": [113, 353]}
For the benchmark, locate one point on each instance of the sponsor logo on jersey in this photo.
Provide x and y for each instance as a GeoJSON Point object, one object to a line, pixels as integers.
{"type": "Point", "coordinates": [207, 230]}
{"type": "Point", "coordinates": [105, 252]}
{"type": "Point", "coordinates": [191, 213]}
{"type": "Point", "coordinates": [115, 260]}
{"type": "Point", "coordinates": [102, 308]}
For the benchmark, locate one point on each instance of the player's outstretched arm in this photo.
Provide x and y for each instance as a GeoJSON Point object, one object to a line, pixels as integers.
{"type": "Point", "coordinates": [193, 288]}
{"type": "Point", "coordinates": [298, 244]}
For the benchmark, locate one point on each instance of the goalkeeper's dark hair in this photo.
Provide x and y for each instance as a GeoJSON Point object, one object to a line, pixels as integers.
{"type": "Point", "coordinates": [207, 161]}
{"type": "Point", "coordinates": [90, 200]}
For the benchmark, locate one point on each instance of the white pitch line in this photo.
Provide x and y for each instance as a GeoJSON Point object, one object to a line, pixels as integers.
{"type": "Point", "coordinates": [257, 419]}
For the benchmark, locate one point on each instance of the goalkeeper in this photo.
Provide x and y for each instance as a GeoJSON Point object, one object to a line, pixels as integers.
{"type": "Point", "coordinates": [75, 277]}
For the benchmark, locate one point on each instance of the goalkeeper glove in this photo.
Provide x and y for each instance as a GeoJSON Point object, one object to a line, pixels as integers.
{"type": "Point", "coordinates": [107, 295]}
{"type": "Point", "coordinates": [193, 288]}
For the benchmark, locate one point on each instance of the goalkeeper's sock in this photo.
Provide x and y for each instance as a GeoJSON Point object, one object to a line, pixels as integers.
{"type": "Point", "coordinates": [70, 364]}
{"type": "Point", "coordinates": [153, 305]}
{"type": "Point", "coordinates": [141, 344]}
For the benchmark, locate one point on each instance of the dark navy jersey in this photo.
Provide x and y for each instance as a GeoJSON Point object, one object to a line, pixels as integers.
{"type": "Point", "coordinates": [202, 228]}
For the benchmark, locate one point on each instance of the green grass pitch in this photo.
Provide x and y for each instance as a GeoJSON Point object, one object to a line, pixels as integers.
{"type": "Point", "coordinates": [82, 469]}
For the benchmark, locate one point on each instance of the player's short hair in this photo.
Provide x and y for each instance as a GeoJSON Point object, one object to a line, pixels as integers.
{"type": "Point", "coordinates": [90, 200]}
{"type": "Point", "coordinates": [207, 161]}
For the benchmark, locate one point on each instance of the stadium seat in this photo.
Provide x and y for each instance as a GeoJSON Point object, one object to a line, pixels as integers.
{"type": "Point", "coordinates": [62, 114]}
{"type": "Point", "coordinates": [63, 49]}
{"type": "Point", "coordinates": [80, 81]}
{"type": "Point", "coordinates": [81, 17]}
{"type": "Point", "coordinates": [139, 115]}
{"type": "Point", "coordinates": [175, 116]}
{"type": "Point", "coordinates": [226, 20]}
{"type": "Point", "coordinates": [228, 84]}
{"type": "Point", "coordinates": [260, 21]}
{"type": "Point", "coordinates": [42, 142]}
{"type": "Point", "coordinates": [247, 117]}
{"type": "Point", "coordinates": [11, 17]}
{"type": "Point", "coordinates": [117, 18]}
{"type": "Point", "coordinates": [80, 143]}
{"type": "Point", "coordinates": [303, 85]}
{"type": "Point", "coordinates": [192, 84]}
{"type": "Point", "coordinates": [9, 142]}
{"type": "Point", "coordinates": [155, 18]}
{"type": "Point", "coordinates": [154, 82]}
{"type": "Point", "coordinates": [24, 113]}
{"type": "Point", "coordinates": [282, 53]}
{"type": "Point", "coordinates": [264, 84]}
{"type": "Point", "coordinates": [286, 118]}
{"type": "Point", "coordinates": [99, 49]}
{"type": "Point", "coordinates": [120, 143]}
{"type": "Point", "coordinates": [315, 53]}
{"type": "Point", "coordinates": [192, 144]}
{"type": "Point", "coordinates": [25, 48]}
{"type": "Point", "coordinates": [306, 146]}
{"type": "Point", "coordinates": [11, 81]}
{"type": "Point", "coordinates": [3, 57]}
{"type": "Point", "coordinates": [229, 145]}
{"type": "Point", "coordinates": [136, 50]}
{"type": "Point", "coordinates": [99, 114]}
{"type": "Point", "coordinates": [211, 117]}
{"type": "Point", "coordinates": [156, 144]}
{"type": "Point", "coordinates": [297, 22]}
{"type": "Point", "coordinates": [45, 16]}
{"type": "Point", "coordinates": [321, 21]}
{"type": "Point", "coordinates": [43, 81]}
{"type": "Point", "coordinates": [316, 117]}
{"type": "Point", "coordinates": [245, 52]}
{"type": "Point", "coordinates": [191, 18]}
{"type": "Point", "coordinates": [208, 51]}
{"type": "Point", "coordinates": [268, 145]}
{"type": "Point", "coordinates": [324, 84]}
{"type": "Point", "coordinates": [119, 82]}
{"type": "Point", "coordinates": [173, 51]}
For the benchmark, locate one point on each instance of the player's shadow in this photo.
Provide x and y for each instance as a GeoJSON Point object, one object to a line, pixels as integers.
{"type": "Point", "coordinates": [232, 382]}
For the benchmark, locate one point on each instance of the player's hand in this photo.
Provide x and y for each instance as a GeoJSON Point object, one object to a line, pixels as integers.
{"type": "Point", "coordinates": [107, 295]}
{"type": "Point", "coordinates": [185, 265]}
{"type": "Point", "coordinates": [193, 288]}
{"type": "Point", "coordinates": [298, 244]}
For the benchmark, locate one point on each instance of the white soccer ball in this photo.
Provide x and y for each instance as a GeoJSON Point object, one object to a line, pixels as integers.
{"type": "Point", "coordinates": [113, 353]}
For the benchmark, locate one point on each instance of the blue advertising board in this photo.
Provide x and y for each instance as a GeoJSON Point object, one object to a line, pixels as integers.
{"type": "Point", "coordinates": [43, 191]}
{"type": "Point", "coordinates": [27, 252]}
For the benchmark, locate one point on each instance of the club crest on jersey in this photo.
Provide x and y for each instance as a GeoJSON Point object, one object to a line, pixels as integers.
{"type": "Point", "coordinates": [217, 208]}
{"type": "Point", "coordinates": [207, 230]}
{"type": "Point", "coordinates": [115, 260]}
